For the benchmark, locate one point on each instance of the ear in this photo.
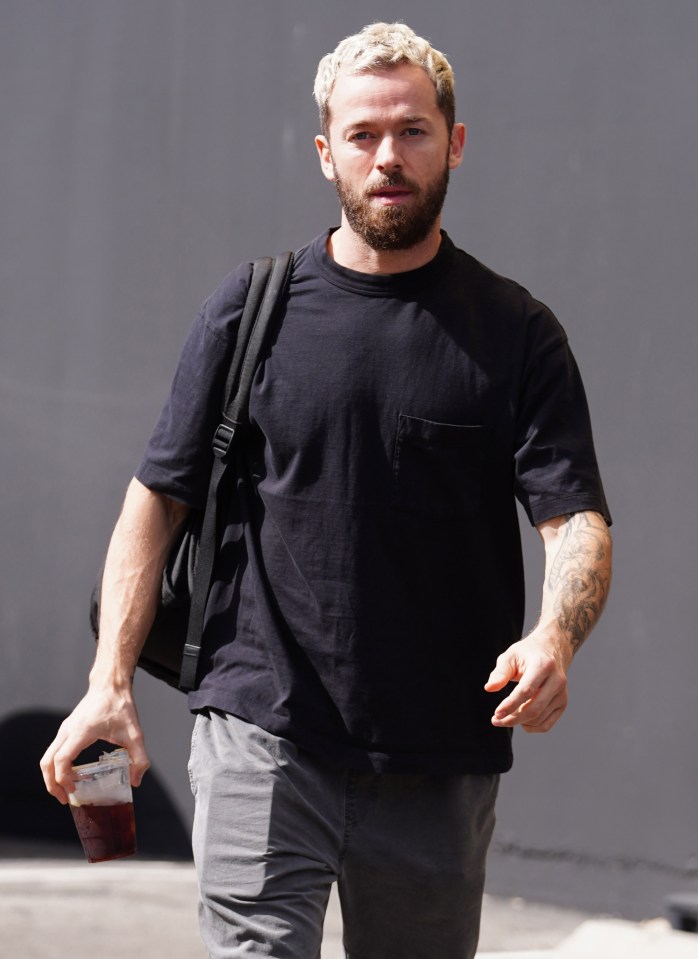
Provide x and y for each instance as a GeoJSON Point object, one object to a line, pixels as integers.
{"type": "Point", "coordinates": [456, 146]}
{"type": "Point", "coordinates": [323, 148]}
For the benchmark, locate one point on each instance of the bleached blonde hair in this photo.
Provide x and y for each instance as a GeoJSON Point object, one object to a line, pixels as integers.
{"type": "Point", "coordinates": [381, 45]}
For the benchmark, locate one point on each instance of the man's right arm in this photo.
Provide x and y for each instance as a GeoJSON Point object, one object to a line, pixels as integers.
{"type": "Point", "coordinates": [144, 533]}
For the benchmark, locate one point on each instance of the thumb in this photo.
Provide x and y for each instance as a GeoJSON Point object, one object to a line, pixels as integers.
{"type": "Point", "coordinates": [502, 674]}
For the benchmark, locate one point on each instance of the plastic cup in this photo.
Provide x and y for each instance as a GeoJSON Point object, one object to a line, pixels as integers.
{"type": "Point", "coordinates": [102, 807]}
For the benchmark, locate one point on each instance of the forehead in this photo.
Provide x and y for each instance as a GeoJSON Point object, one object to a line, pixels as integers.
{"type": "Point", "coordinates": [403, 90]}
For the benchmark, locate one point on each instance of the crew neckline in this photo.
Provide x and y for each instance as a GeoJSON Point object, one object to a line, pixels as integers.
{"type": "Point", "coordinates": [380, 284]}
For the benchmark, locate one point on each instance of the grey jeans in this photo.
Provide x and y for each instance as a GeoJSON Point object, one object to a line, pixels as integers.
{"type": "Point", "coordinates": [275, 827]}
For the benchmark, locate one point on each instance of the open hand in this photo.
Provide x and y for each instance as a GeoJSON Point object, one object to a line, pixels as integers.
{"type": "Point", "coordinates": [539, 668]}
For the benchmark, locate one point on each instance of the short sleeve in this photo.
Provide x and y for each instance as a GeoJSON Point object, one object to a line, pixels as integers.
{"type": "Point", "coordinates": [556, 469]}
{"type": "Point", "coordinates": [178, 458]}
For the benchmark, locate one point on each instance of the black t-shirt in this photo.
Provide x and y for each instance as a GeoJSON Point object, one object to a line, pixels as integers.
{"type": "Point", "coordinates": [371, 567]}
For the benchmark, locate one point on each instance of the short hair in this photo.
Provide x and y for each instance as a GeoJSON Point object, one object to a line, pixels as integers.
{"type": "Point", "coordinates": [378, 46]}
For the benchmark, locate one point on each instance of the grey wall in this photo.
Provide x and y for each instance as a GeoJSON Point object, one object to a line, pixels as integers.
{"type": "Point", "coordinates": [146, 148]}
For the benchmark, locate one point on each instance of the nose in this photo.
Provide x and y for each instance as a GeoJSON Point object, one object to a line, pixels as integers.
{"type": "Point", "coordinates": [387, 156]}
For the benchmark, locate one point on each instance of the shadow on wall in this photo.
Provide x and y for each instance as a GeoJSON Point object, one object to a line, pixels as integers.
{"type": "Point", "coordinates": [34, 824]}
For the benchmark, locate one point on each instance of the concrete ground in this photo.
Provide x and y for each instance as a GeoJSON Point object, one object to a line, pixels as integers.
{"type": "Point", "coordinates": [53, 909]}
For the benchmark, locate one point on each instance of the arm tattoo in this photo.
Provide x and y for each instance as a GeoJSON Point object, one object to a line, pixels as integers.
{"type": "Point", "coordinates": [579, 577]}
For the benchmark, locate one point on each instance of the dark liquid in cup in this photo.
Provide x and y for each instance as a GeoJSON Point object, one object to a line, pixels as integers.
{"type": "Point", "coordinates": [106, 832]}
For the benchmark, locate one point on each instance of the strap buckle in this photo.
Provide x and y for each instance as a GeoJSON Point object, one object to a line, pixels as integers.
{"type": "Point", "coordinates": [189, 651]}
{"type": "Point", "coordinates": [223, 440]}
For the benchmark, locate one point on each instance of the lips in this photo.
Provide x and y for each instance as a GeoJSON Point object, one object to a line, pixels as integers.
{"type": "Point", "coordinates": [390, 194]}
{"type": "Point", "coordinates": [391, 191]}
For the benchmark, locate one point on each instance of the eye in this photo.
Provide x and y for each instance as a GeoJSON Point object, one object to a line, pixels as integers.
{"type": "Point", "coordinates": [361, 135]}
{"type": "Point", "coordinates": [413, 132]}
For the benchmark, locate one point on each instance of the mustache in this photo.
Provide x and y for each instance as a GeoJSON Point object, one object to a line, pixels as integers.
{"type": "Point", "coordinates": [392, 180]}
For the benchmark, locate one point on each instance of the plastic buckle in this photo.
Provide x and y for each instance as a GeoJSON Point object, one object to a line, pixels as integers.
{"type": "Point", "coordinates": [190, 652]}
{"type": "Point", "coordinates": [223, 440]}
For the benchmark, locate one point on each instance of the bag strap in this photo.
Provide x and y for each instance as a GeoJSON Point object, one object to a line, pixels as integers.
{"type": "Point", "coordinates": [268, 285]}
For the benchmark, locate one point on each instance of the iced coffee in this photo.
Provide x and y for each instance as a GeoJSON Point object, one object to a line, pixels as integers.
{"type": "Point", "coordinates": [102, 807]}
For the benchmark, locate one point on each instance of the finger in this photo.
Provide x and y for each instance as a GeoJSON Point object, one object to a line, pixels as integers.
{"type": "Point", "coordinates": [50, 783]}
{"type": "Point", "coordinates": [58, 760]}
{"type": "Point", "coordinates": [51, 774]}
{"type": "Point", "coordinates": [553, 700]}
{"type": "Point", "coordinates": [515, 718]}
{"type": "Point", "coordinates": [531, 703]}
{"type": "Point", "coordinates": [541, 714]}
{"type": "Point", "coordinates": [63, 766]}
{"type": "Point", "coordinates": [546, 724]}
{"type": "Point", "coordinates": [140, 763]}
{"type": "Point", "coordinates": [511, 707]}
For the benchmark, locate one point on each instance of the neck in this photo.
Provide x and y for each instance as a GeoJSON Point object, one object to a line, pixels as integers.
{"type": "Point", "coordinates": [350, 250]}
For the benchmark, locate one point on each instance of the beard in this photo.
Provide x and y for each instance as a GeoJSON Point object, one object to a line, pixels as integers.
{"type": "Point", "coordinates": [390, 228]}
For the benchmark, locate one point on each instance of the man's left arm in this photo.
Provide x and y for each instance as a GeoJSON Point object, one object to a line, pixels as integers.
{"type": "Point", "coordinates": [577, 581]}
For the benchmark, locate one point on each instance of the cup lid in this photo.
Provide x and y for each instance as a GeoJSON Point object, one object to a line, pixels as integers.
{"type": "Point", "coordinates": [118, 757]}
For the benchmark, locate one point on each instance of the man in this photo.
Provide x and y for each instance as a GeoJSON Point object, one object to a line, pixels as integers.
{"type": "Point", "coordinates": [353, 707]}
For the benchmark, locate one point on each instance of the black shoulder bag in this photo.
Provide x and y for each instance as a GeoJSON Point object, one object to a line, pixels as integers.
{"type": "Point", "coordinates": [172, 647]}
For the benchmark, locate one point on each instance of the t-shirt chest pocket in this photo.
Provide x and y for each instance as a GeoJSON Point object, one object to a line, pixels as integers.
{"type": "Point", "coordinates": [439, 469]}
